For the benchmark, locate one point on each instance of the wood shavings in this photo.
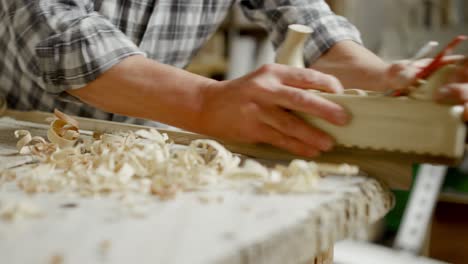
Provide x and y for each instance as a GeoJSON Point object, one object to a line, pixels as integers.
{"type": "Point", "coordinates": [67, 119]}
{"type": "Point", "coordinates": [63, 131]}
{"type": "Point", "coordinates": [28, 144]}
{"type": "Point", "coordinates": [97, 135]}
{"type": "Point", "coordinates": [146, 162]}
{"type": "Point", "coordinates": [342, 169]}
{"type": "Point", "coordinates": [300, 176]}
{"type": "Point", "coordinates": [13, 211]}
{"type": "Point", "coordinates": [25, 138]}
{"type": "Point", "coordinates": [250, 169]}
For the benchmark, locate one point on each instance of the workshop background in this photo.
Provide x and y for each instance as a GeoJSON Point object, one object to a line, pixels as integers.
{"type": "Point", "coordinates": [394, 30]}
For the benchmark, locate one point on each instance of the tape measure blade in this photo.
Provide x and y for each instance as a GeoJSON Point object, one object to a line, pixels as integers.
{"type": "Point", "coordinates": [418, 213]}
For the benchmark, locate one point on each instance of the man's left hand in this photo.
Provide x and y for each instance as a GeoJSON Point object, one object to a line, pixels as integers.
{"type": "Point", "coordinates": [456, 90]}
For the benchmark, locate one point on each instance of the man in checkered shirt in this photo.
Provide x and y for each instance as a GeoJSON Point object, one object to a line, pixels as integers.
{"type": "Point", "coordinates": [125, 57]}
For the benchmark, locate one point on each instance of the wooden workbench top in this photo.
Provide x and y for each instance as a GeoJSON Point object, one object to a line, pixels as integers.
{"type": "Point", "coordinates": [218, 226]}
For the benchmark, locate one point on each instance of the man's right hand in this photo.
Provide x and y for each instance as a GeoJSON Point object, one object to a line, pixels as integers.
{"type": "Point", "coordinates": [256, 109]}
{"type": "Point", "coordinates": [253, 109]}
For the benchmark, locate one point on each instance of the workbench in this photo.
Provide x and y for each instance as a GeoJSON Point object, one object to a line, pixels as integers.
{"type": "Point", "coordinates": [213, 226]}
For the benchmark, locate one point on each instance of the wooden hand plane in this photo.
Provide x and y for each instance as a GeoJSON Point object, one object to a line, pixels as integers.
{"type": "Point", "coordinates": [414, 127]}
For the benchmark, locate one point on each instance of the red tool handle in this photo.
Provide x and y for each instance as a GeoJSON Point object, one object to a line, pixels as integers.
{"type": "Point", "coordinates": [438, 60]}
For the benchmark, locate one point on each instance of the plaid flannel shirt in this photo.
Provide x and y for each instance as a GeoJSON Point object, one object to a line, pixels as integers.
{"type": "Point", "coordinates": [50, 46]}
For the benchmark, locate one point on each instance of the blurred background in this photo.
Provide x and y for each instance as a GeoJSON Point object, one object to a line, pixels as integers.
{"type": "Point", "coordinates": [393, 29]}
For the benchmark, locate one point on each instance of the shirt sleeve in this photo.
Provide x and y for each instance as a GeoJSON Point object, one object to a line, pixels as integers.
{"type": "Point", "coordinates": [65, 44]}
{"type": "Point", "coordinates": [277, 15]}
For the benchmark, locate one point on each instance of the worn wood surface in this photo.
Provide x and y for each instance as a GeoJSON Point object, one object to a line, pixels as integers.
{"type": "Point", "coordinates": [199, 227]}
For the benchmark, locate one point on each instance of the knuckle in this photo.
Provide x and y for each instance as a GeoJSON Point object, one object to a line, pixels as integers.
{"type": "Point", "coordinates": [307, 76]}
{"type": "Point", "coordinates": [298, 97]}
{"type": "Point", "coordinates": [250, 109]}
{"type": "Point", "coordinates": [332, 81]}
{"type": "Point", "coordinates": [258, 83]}
{"type": "Point", "coordinates": [312, 77]}
{"type": "Point", "coordinates": [267, 68]}
{"type": "Point", "coordinates": [312, 74]}
{"type": "Point", "coordinates": [395, 69]}
{"type": "Point", "coordinates": [262, 85]}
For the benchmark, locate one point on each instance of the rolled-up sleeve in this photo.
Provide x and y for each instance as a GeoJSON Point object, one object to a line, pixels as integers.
{"type": "Point", "coordinates": [65, 44]}
{"type": "Point", "coordinates": [277, 15]}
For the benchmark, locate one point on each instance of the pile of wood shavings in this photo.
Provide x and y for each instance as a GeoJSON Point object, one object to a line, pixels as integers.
{"type": "Point", "coordinates": [146, 162]}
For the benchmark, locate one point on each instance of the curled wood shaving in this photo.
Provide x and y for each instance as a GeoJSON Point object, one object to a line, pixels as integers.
{"type": "Point", "coordinates": [146, 162]}
{"type": "Point", "coordinates": [36, 145]}
{"type": "Point", "coordinates": [66, 118]}
{"type": "Point", "coordinates": [25, 138]}
{"type": "Point", "coordinates": [299, 176]}
{"type": "Point", "coordinates": [63, 131]}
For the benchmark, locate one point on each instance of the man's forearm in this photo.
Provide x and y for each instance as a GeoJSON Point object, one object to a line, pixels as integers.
{"type": "Point", "coordinates": [142, 88]}
{"type": "Point", "coordinates": [354, 66]}
{"type": "Point", "coordinates": [249, 109]}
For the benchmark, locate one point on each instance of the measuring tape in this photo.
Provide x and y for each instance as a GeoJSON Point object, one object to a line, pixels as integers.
{"type": "Point", "coordinates": [418, 213]}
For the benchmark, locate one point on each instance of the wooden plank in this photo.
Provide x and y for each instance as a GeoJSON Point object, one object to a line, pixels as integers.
{"type": "Point", "coordinates": [243, 228]}
{"type": "Point", "coordinates": [212, 226]}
